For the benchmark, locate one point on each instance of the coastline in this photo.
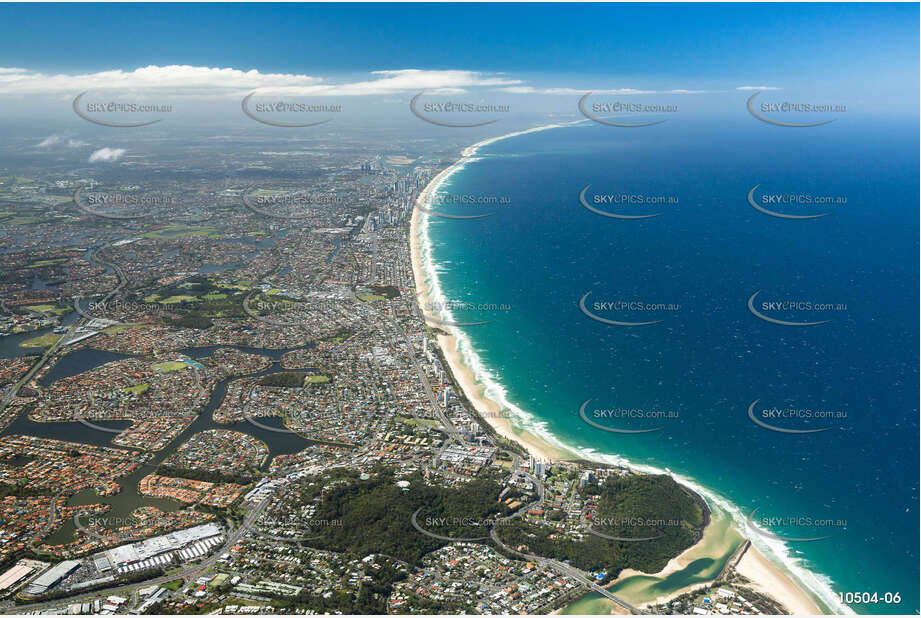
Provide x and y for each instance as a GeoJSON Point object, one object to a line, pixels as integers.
{"type": "Point", "coordinates": [490, 410]}
{"type": "Point", "coordinates": [768, 578]}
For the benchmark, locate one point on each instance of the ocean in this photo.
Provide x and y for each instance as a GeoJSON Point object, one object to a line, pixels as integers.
{"type": "Point", "coordinates": [808, 432]}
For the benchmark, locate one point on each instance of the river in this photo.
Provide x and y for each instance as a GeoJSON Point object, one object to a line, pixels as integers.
{"type": "Point", "coordinates": [123, 503]}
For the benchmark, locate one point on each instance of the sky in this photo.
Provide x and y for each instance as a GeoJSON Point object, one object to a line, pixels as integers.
{"type": "Point", "coordinates": [679, 40]}
{"type": "Point", "coordinates": [855, 51]}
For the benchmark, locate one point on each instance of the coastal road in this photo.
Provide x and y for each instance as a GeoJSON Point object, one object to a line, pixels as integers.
{"type": "Point", "coordinates": [426, 385]}
{"type": "Point", "coordinates": [421, 422]}
{"type": "Point", "coordinates": [560, 567]}
{"type": "Point", "coordinates": [568, 570]}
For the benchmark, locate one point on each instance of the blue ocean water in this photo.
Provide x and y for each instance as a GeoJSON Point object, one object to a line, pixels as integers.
{"type": "Point", "coordinates": [525, 267]}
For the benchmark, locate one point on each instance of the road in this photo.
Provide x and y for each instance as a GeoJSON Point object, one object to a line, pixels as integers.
{"type": "Point", "coordinates": [52, 515]}
{"type": "Point", "coordinates": [189, 574]}
{"type": "Point", "coordinates": [568, 570]}
{"type": "Point", "coordinates": [560, 567]}
{"type": "Point", "coordinates": [193, 572]}
{"type": "Point", "coordinates": [426, 385]}
{"type": "Point", "coordinates": [51, 351]}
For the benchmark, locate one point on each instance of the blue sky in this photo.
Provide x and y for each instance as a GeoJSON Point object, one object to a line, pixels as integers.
{"type": "Point", "coordinates": [680, 40]}
{"type": "Point", "coordinates": [865, 53]}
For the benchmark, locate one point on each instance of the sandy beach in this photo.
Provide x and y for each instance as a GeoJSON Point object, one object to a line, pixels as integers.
{"type": "Point", "coordinates": [773, 582]}
{"type": "Point", "coordinates": [490, 410]}
{"type": "Point", "coordinates": [766, 577]}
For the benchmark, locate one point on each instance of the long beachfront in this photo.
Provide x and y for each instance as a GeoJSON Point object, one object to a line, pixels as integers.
{"type": "Point", "coordinates": [765, 575]}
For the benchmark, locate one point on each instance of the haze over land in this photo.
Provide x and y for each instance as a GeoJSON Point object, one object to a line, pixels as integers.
{"type": "Point", "coordinates": [338, 308]}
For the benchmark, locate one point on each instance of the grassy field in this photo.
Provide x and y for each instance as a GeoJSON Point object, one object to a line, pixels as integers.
{"type": "Point", "coordinates": [339, 337]}
{"type": "Point", "coordinates": [414, 423]}
{"type": "Point", "coordinates": [120, 328]}
{"type": "Point", "coordinates": [176, 299]}
{"type": "Point", "coordinates": [169, 366]}
{"type": "Point", "coordinates": [179, 231]}
{"type": "Point", "coordinates": [50, 309]}
{"type": "Point", "coordinates": [137, 389]}
{"type": "Point", "coordinates": [43, 263]}
{"type": "Point", "coordinates": [316, 379]}
{"type": "Point", "coordinates": [42, 341]}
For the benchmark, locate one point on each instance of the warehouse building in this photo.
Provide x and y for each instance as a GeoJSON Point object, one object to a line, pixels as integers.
{"type": "Point", "coordinates": [159, 551]}
{"type": "Point", "coordinates": [50, 578]}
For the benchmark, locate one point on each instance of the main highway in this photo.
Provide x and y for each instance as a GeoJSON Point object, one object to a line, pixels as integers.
{"type": "Point", "coordinates": [52, 350]}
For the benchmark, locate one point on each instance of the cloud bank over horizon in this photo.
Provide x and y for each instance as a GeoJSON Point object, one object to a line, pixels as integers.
{"type": "Point", "coordinates": [222, 82]}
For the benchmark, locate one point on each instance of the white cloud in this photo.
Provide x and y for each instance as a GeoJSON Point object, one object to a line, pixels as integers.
{"type": "Point", "coordinates": [582, 91]}
{"type": "Point", "coordinates": [51, 140]}
{"type": "Point", "coordinates": [106, 155]}
{"type": "Point", "coordinates": [177, 81]}
{"type": "Point", "coordinates": [207, 82]}
{"type": "Point", "coordinates": [181, 79]}
{"type": "Point", "coordinates": [394, 82]}
{"type": "Point", "coordinates": [758, 88]}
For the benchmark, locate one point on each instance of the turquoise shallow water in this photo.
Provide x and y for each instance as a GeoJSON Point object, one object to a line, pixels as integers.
{"type": "Point", "coordinates": [694, 374]}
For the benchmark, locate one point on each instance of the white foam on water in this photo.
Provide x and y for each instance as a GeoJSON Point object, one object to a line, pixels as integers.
{"type": "Point", "coordinates": [778, 552]}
